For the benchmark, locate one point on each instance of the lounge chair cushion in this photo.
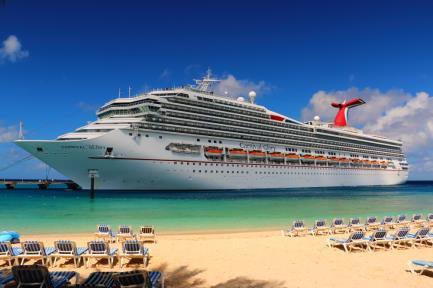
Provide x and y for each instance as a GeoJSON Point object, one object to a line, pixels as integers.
{"type": "Point", "coordinates": [423, 263]}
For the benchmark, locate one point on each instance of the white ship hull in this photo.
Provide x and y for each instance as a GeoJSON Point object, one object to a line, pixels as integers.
{"type": "Point", "coordinates": [144, 163]}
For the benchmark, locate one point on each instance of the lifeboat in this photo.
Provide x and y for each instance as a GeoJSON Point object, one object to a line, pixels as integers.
{"type": "Point", "coordinates": [333, 159]}
{"type": "Point", "coordinates": [276, 156]}
{"type": "Point", "coordinates": [366, 162]}
{"type": "Point", "coordinates": [343, 160]}
{"type": "Point", "coordinates": [237, 153]}
{"type": "Point", "coordinates": [256, 154]}
{"type": "Point", "coordinates": [292, 157]}
{"type": "Point", "coordinates": [321, 158]}
{"type": "Point", "coordinates": [308, 158]}
{"type": "Point", "coordinates": [213, 151]}
{"type": "Point", "coordinates": [374, 163]}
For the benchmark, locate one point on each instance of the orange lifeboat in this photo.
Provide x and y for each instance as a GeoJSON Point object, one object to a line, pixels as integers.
{"type": "Point", "coordinates": [333, 159]}
{"type": "Point", "coordinates": [276, 156]}
{"type": "Point", "coordinates": [308, 158]}
{"type": "Point", "coordinates": [237, 153]}
{"type": "Point", "coordinates": [213, 151]}
{"type": "Point", "coordinates": [292, 157]}
{"type": "Point", "coordinates": [256, 154]}
{"type": "Point", "coordinates": [344, 160]}
{"type": "Point", "coordinates": [321, 158]}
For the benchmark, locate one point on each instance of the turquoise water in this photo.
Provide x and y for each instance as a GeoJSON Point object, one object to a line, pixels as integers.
{"type": "Point", "coordinates": [38, 211]}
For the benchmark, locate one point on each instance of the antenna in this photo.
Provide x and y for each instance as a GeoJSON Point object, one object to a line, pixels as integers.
{"type": "Point", "coordinates": [206, 83]}
{"type": "Point", "coordinates": [118, 95]}
{"type": "Point", "coordinates": [21, 131]}
{"type": "Point", "coordinates": [129, 91]}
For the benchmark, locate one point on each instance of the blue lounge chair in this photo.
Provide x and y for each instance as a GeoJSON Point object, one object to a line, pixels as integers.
{"type": "Point", "coordinates": [68, 250]}
{"type": "Point", "coordinates": [355, 239]}
{"type": "Point", "coordinates": [423, 265]}
{"type": "Point", "coordinates": [320, 227]}
{"type": "Point", "coordinates": [124, 233]}
{"type": "Point", "coordinates": [133, 249]}
{"type": "Point", "coordinates": [298, 228]}
{"type": "Point", "coordinates": [338, 226]}
{"type": "Point", "coordinates": [388, 221]}
{"type": "Point", "coordinates": [104, 232]}
{"type": "Point", "coordinates": [399, 238]}
{"type": "Point", "coordinates": [401, 221]}
{"type": "Point", "coordinates": [8, 253]}
{"type": "Point", "coordinates": [417, 219]}
{"type": "Point", "coordinates": [143, 279]}
{"type": "Point", "coordinates": [5, 278]}
{"type": "Point", "coordinates": [35, 250]}
{"type": "Point", "coordinates": [355, 224]}
{"type": "Point", "coordinates": [371, 223]}
{"type": "Point", "coordinates": [147, 233]}
{"type": "Point", "coordinates": [377, 240]}
{"type": "Point", "coordinates": [429, 219]}
{"type": "Point", "coordinates": [420, 237]}
{"type": "Point", "coordinates": [37, 275]}
{"type": "Point", "coordinates": [99, 250]}
{"type": "Point", "coordinates": [99, 279]}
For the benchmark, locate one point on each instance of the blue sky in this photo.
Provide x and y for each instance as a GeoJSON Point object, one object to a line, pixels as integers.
{"type": "Point", "coordinates": [77, 54]}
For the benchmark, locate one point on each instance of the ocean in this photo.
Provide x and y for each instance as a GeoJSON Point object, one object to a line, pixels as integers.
{"type": "Point", "coordinates": [64, 211]}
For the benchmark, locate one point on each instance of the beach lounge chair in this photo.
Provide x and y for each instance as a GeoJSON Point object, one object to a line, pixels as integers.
{"type": "Point", "coordinates": [388, 221]}
{"type": "Point", "coordinates": [104, 232]}
{"type": "Point", "coordinates": [355, 225]}
{"type": "Point", "coordinates": [8, 253]}
{"type": "Point", "coordinates": [99, 250]}
{"type": "Point", "coordinates": [5, 278]}
{"type": "Point", "coordinates": [151, 279]}
{"type": "Point", "coordinates": [133, 249]}
{"type": "Point", "coordinates": [429, 219]}
{"type": "Point", "coordinates": [38, 276]}
{"type": "Point", "coordinates": [421, 237]}
{"type": "Point", "coordinates": [355, 239]}
{"type": "Point", "coordinates": [338, 226]}
{"type": "Point", "coordinates": [100, 280]}
{"type": "Point", "coordinates": [423, 265]}
{"type": "Point", "coordinates": [402, 221]}
{"type": "Point", "coordinates": [320, 228]}
{"type": "Point", "coordinates": [124, 233]}
{"type": "Point", "coordinates": [377, 240]}
{"type": "Point", "coordinates": [68, 250]}
{"type": "Point", "coordinates": [298, 228]}
{"type": "Point", "coordinates": [147, 233]}
{"type": "Point", "coordinates": [371, 223]}
{"type": "Point", "coordinates": [399, 239]}
{"type": "Point", "coordinates": [35, 250]}
{"type": "Point", "coordinates": [417, 219]}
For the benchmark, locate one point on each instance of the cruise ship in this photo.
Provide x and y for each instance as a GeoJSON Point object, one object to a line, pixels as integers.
{"type": "Point", "coordinates": [189, 138]}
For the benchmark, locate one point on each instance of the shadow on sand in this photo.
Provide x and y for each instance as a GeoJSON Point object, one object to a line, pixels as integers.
{"type": "Point", "coordinates": [183, 277]}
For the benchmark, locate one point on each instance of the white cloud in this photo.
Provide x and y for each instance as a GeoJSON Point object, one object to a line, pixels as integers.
{"type": "Point", "coordinates": [165, 74]}
{"type": "Point", "coordinates": [394, 114]}
{"type": "Point", "coordinates": [235, 87]}
{"type": "Point", "coordinates": [11, 50]}
{"type": "Point", "coordinates": [8, 133]}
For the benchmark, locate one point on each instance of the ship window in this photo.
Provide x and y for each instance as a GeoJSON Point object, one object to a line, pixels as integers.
{"type": "Point", "coordinates": [39, 149]}
{"type": "Point", "coordinates": [209, 141]}
{"type": "Point", "coordinates": [198, 140]}
{"type": "Point", "coordinates": [160, 137]}
{"type": "Point", "coordinates": [147, 135]}
{"type": "Point", "coordinates": [130, 134]}
{"type": "Point", "coordinates": [108, 151]}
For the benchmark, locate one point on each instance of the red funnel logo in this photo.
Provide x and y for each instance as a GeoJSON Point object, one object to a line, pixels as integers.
{"type": "Point", "coordinates": [343, 109]}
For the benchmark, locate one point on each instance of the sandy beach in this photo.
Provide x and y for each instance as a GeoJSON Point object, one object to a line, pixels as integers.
{"type": "Point", "coordinates": [265, 259]}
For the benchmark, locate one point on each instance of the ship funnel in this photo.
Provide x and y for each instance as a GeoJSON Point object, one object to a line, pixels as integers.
{"type": "Point", "coordinates": [341, 118]}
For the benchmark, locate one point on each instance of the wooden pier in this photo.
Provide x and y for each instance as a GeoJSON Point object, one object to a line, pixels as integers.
{"type": "Point", "coordinates": [40, 183]}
